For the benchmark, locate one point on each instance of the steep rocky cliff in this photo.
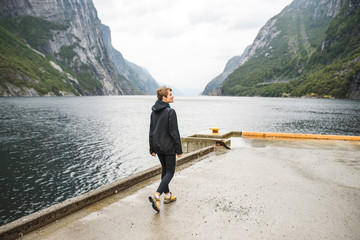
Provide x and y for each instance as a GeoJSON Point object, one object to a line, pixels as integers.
{"type": "Point", "coordinates": [288, 54]}
{"type": "Point", "coordinates": [65, 35]}
{"type": "Point", "coordinates": [340, 50]}
{"type": "Point", "coordinates": [313, 10]}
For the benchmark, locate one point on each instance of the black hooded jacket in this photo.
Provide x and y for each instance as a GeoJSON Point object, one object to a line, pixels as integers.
{"type": "Point", "coordinates": [164, 137]}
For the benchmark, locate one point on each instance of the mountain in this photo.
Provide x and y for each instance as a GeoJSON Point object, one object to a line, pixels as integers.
{"type": "Point", "coordinates": [310, 49]}
{"type": "Point", "coordinates": [230, 66]}
{"type": "Point", "coordinates": [57, 47]}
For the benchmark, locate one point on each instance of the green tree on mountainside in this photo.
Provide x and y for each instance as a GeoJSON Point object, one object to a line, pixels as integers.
{"type": "Point", "coordinates": [20, 65]}
{"type": "Point", "coordinates": [317, 56]}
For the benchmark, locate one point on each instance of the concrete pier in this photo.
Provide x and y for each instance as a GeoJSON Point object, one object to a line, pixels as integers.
{"type": "Point", "coordinates": [260, 189]}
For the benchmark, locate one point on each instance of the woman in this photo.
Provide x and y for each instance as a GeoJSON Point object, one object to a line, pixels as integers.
{"type": "Point", "coordinates": [164, 139]}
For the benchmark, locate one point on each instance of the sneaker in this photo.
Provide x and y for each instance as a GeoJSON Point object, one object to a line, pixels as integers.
{"type": "Point", "coordinates": [169, 199]}
{"type": "Point", "coordinates": [155, 202]}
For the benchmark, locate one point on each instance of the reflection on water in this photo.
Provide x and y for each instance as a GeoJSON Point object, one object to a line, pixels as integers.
{"type": "Point", "coordinates": [52, 149]}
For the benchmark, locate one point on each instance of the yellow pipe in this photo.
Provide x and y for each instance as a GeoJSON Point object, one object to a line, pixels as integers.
{"type": "Point", "coordinates": [298, 135]}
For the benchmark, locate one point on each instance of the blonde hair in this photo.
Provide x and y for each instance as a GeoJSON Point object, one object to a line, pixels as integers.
{"type": "Point", "coordinates": [163, 92]}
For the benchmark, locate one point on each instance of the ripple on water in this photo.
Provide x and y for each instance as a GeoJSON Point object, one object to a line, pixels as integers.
{"type": "Point", "coordinates": [63, 147]}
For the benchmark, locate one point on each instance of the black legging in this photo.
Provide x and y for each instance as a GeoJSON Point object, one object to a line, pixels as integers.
{"type": "Point", "coordinates": [168, 163]}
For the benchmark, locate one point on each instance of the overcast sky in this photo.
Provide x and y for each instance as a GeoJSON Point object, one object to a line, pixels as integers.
{"type": "Point", "coordinates": [185, 43]}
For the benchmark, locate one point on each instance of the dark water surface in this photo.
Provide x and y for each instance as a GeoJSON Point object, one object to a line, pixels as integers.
{"type": "Point", "coordinates": [55, 148]}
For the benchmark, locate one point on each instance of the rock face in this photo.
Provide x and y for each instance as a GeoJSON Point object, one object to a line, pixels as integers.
{"type": "Point", "coordinates": [328, 8]}
{"type": "Point", "coordinates": [83, 38]}
{"type": "Point", "coordinates": [230, 66]}
{"type": "Point", "coordinates": [319, 9]}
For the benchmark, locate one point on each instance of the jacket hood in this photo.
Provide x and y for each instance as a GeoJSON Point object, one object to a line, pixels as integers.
{"type": "Point", "coordinates": [159, 106]}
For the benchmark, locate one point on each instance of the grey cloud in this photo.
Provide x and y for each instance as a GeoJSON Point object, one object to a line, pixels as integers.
{"type": "Point", "coordinates": [209, 16]}
{"type": "Point", "coordinates": [242, 25]}
{"type": "Point", "coordinates": [167, 33]}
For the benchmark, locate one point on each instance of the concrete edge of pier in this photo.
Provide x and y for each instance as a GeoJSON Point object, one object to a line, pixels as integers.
{"type": "Point", "coordinates": [48, 215]}
{"type": "Point", "coordinates": [194, 147]}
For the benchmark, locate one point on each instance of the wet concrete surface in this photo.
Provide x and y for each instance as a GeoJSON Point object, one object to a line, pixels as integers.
{"type": "Point", "coordinates": [261, 189]}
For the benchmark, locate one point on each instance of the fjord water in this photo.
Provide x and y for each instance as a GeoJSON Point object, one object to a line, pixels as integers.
{"type": "Point", "coordinates": [55, 148]}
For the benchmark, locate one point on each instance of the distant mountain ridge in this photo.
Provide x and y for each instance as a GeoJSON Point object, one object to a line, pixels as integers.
{"type": "Point", "coordinates": [310, 49]}
{"type": "Point", "coordinates": [57, 47]}
{"type": "Point", "coordinates": [230, 66]}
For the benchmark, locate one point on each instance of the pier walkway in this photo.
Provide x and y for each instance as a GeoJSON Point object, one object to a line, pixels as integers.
{"type": "Point", "coordinates": [260, 189]}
